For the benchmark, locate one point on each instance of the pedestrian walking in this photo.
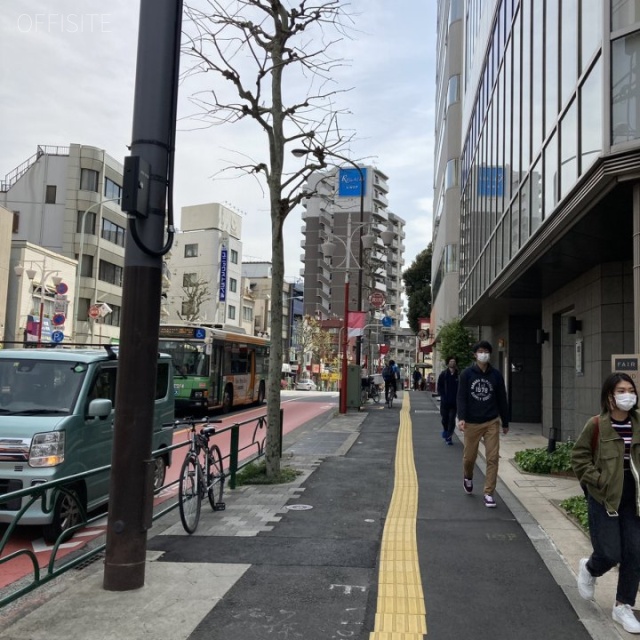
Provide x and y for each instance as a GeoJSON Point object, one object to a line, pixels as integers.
{"type": "Point", "coordinates": [417, 377]}
{"type": "Point", "coordinates": [482, 411]}
{"type": "Point", "coordinates": [448, 392]}
{"type": "Point", "coordinates": [606, 460]}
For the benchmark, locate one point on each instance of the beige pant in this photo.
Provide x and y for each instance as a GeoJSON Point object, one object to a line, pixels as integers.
{"type": "Point", "coordinates": [489, 432]}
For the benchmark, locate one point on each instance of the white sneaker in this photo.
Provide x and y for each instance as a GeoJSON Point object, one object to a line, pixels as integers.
{"type": "Point", "coordinates": [586, 582]}
{"type": "Point", "coordinates": [623, 614]}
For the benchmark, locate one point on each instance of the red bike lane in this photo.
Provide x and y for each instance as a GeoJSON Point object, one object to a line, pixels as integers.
{"type": "Point", "coordinates": [296, 412]}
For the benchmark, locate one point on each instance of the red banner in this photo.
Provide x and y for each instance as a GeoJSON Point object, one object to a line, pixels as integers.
{"type": "Point", "coordinates": [356, 321]}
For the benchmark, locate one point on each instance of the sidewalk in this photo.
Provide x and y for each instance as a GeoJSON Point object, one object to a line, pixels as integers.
{"type": "Point", "coordinates": [301, 560]}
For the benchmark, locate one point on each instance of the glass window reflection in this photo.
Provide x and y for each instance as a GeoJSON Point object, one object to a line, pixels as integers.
{"type": "Point", "coordinates": [550, 175]}
{"type": "Point", "coordinates": [591, 117]}
{"type": "Point", "coordinates": [591, 30]}
{"type": "Point", "coordinates": [624, 79]}
{"type": "Point", "coordinates": [624, 13]}
{"type": "Point", "coordinates": [569, 52]}
{"type": "Point", "coordinates": [551, 65]}
{"type": "Point", "coordinates": [568, 150]}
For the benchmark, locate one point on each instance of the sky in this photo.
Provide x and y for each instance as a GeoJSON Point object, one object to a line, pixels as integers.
{"type": "Point", "coordinates": [67, 75]}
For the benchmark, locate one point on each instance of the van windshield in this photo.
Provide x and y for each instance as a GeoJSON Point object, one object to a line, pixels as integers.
{"type": "Point", "coordinates": [39, 387]}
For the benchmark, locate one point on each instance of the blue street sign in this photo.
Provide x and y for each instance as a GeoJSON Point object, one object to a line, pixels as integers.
{"type": "Point", "coordinates": [199, 333]}
{"type": "Point", "coordinates": [223, 274]}
{"type": "Point", "coordinates": [57, 336]}
{"type": "Point", "coordinates": [387, 321]}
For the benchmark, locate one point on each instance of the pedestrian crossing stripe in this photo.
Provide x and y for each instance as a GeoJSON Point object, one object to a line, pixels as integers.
{"type": "Point", "coordinates": [400, 609]}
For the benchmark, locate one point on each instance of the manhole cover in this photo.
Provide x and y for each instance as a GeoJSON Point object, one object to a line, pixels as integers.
{"type": "Point", "coordinates": [299, 507]}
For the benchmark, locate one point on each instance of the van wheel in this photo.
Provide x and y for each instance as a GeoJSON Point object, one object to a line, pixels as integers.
{"type": "Point", "coordinates": [159, 472]}
{"type": "Point", "coordinates": [227, 399]}
{"type": "Point", "coordinates": [69, 511]}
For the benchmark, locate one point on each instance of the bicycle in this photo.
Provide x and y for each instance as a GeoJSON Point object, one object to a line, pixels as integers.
{"type": "Point", "coordinates": [389, 393]}
{"type": "Point", "coordinates": [370, 391]}
{"type": "Point", "coordinates": [201, 474]}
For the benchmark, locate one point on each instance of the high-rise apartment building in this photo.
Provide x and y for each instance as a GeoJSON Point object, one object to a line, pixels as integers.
{"type": "Point", "coordinates": [537, 194]}
{"type": "Point", "coordinates": [336, 216]}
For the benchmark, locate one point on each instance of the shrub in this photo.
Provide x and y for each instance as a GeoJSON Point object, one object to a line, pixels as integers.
{"type": "Point", "coordinates": [577, 508]}
{"type": "Point", "coordinates": [541, 461]}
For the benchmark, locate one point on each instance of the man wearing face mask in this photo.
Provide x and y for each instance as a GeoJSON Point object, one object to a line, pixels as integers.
{"type": "Point", "coordinates": [606, 460]}
{"type": "Point", "coordinates": [482, 411]}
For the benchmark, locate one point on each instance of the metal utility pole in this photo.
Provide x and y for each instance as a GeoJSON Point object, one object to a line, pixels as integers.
{"type": "Point", "coordinates": [148, 172]}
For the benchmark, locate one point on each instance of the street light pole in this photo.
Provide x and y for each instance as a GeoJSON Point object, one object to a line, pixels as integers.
{"type": "Point", "coordinates": [76, 297]}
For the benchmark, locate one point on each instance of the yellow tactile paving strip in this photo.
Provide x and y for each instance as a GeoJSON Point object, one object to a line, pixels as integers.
{"type": "Point", "coordinates": [400, 612]}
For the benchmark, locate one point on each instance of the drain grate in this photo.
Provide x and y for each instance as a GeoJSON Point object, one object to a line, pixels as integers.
{"type": "Point", "coordinates": [89, 561]}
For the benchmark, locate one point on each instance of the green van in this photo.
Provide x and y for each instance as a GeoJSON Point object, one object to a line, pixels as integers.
{"type": "Point", "coordinates": [57, 420]}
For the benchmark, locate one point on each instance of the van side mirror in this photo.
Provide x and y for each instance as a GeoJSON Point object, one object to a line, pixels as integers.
{"type": "Point", "coordinates": [100, 408]}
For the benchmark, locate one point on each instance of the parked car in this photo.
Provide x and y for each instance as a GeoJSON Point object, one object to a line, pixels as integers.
{"type": "Point", "coordinates": [306, 385]}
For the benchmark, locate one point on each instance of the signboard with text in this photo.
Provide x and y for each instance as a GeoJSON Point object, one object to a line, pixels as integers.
{"type": "Point", "coordinates": [491, 182]}
{"type": "Point", "coordinates": [350, 182]}
{"type": "Point", "coordinates": [223, 273]}
{"type": "Point", "coordinates": [626, 363]}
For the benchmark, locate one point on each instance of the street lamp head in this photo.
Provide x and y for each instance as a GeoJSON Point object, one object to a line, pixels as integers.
{"type": "Point", "coordinates": [31, 273]}
{"type": "Point", "coordinates": [57, 280]}
{"type": "Point", "coordinates": [299, 153]}
{"type": "Point", "coordinates": [387, 237]}
{"type": "Point", "coordinates": [18, 270]}
{"type": "Point", "coordinates": [368, 240]}
{"type": "Point", "coordinates": [328, 248]}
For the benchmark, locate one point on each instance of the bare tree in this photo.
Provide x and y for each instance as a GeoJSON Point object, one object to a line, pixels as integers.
{"type": "Point", "coordinates": [196, 293]}
{"type": "Point", "coordinates": [256, 47]}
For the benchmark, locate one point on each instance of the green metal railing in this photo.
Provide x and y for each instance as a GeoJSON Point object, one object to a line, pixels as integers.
{"type": "Point", "coordinates": [49, 492]}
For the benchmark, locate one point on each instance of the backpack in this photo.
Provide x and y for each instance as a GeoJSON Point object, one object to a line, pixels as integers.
{"type": "Point", "coordinates": [387, 373]}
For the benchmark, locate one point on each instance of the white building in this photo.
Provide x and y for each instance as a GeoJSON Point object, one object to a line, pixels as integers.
{"type": "Point", "coordinates": [50, 195]}
{"type": "Point", "coordinates": [206, 254]}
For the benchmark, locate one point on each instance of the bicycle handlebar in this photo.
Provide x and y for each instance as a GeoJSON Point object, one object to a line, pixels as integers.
{"type": "Point", "coordinates": [192, 422]}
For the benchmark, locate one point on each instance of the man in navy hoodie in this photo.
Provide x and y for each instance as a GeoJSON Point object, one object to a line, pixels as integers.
{"type": "Point", "coordinates": [482, 411]}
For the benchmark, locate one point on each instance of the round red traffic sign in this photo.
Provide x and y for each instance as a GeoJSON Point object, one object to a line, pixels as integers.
{"type": "Point", "coordinates": [94, 312]}
{"type": "Point", "coordinates": [377, 299]}
{"type": "Point", "coordinates": [58, 319]}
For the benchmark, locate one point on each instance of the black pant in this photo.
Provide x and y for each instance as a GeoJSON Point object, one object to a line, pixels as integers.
{"type": "Point", "coordinates": [448, 415]}
{"type": "Point", "coordinates": [616, 540]}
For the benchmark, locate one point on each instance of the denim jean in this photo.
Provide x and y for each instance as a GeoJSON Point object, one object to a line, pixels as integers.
{"type": "Point", "coordinates": [448, 415]}
{"type": "Point", "coordinates": [616, 540]}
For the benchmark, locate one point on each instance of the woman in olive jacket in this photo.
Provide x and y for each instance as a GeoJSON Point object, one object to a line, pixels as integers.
{"type": "Point", "coordinates": [606, 460]}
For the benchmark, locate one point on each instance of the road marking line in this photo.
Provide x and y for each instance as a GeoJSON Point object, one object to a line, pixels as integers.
{"type": "Point", "coordinates": [400, 610]}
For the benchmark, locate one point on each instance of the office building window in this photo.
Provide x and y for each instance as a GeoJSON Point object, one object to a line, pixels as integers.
{"type": "Point", "coordinates": [89, 223]}
{"type": "Point", "coordinates": [112, 232]}
{"type": "Point", "coordinates": [187, 308]}
{"type": "Point", "coordinates": [624, 13]}
{"type": "Point", "coordinates": [190, 250]}
{"type": "Point", "coordinates": [113, 318]}
{"type": "Point", "coordinates": [591, 117]}
{"type": "Point", "coordinates": [233, 285]}
{"type": "Point", "coordinates": [82, 312]}
{"type": "Point", "coordinates": [625, 53]}
{"type": "Point", "coordinates": [234, 256]}
{"type": "Point", "coordinates": [189, 279]}
{"type": "Point", "coordinates": [88, 180]}
{"type": "Point", "coordinates": [111, 273]}
{"type": "Point", "coordinates": [16, 222]}
{"type": "Point", "coordinates": [50, 196]}
{"type": "Point", "coordinates": [112, 190]}
{"type": "Point", "coordinates": [86, 268]}
{"type": "Point", "coordinates": [231, 312]}
{"type": "Point", "coordinates": [247, 314]}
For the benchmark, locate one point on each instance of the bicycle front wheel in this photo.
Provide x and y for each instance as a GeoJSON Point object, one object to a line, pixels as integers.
{"type": "Point", "coordinates": [375, 395]}
{"type": "Point", "coordinates": [215, 478]}
{"type": "Point", "coordinates": [189, 496]}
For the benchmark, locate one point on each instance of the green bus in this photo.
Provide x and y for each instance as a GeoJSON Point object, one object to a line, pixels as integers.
{"type": "Point", "coordinates": [215, 368]}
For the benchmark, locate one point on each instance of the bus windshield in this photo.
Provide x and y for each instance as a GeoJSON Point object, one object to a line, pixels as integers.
{"type": "Point", "coordinates": [189, 358]}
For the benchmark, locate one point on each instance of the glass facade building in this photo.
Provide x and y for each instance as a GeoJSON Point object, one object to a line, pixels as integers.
{"type": "Point", "coordinates": [537, 196]}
